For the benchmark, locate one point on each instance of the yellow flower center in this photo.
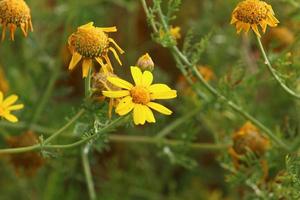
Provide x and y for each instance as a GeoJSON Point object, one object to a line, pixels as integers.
{"type": "Point", "coordinates": [252, 11]}
{"type": "Point", "coordinates": [90, 42]}
{"type": "Point", "coordinates": [140, 95]}
{"type": "Point", "coordinates": [14, 11]}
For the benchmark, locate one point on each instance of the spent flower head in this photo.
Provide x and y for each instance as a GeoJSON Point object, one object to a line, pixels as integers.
{"type": "Point", "coordinates": [90, 42]}
{"type": "Point", "coordinates": [13, 14]}
{"type": "Point", "coordinates": [140, 97]}
{"type": "Point", "coordinates": [252, 14]}
{"type": "Point", "coordinates": [6, 106]}
{"type": "Point", "coordinates": [145, 62]}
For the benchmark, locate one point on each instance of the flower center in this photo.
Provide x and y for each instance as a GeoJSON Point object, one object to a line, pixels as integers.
{"type": "Point", "coordinates": [14, 11]}
{"type": "Point", "coordinates": [252, 11]}
{"type": "Point", "coordinates": [90, 42]}
{"type": "Point", "coordinates": [140, 95]}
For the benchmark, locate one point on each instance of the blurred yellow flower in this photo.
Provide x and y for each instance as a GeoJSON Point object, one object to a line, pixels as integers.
{"type": "Point", "coordinates": [6, 106]}
{"type": "Point", "coordinates": [145, 62]}
{"type": "Point", "coordinates": [206, 72]}
{"type": "Point", "coordinates": [4, 86]}
{"type": "Point", "coordinates": [13, 14]}
{"type": "Point", "coordinates": [251, 14]}
{"type": "Point", "coordinates": [175, 32]}
{"type": "Point", "coordinates": [139, 97]}
{"type": "Point", "coordinates": [90, 42]}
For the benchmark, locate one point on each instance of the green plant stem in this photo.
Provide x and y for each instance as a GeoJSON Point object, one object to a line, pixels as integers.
{"type": "Point", "coordinates": [168, 129]}
{"type": "Point", "coordinates": [177, 53]}
{"type": "Point", "coordinates": [62, 129]}
{"type": "Point", "coordinates": [87, 171]}
{"type": "Point", "coordinates": [273, 72]}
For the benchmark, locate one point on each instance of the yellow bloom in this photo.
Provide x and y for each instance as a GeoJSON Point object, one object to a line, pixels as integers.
{"type": "Point", "coordinates": [90, 42]}
{"type": "Point", "coordinates": [13, 14]}
{"type": "Point", "coordinates": [6, 106]}
{"type": "Point", "coordinates": [145, 62]}
{"type": "Point", "coordinates": [251, 14]}
{"type": "Point", "coordinates": [175, 32]}
{"type": "Point", "coordinates": [206, 72]}
{"type": "Point", "coordinates": [139, 97]}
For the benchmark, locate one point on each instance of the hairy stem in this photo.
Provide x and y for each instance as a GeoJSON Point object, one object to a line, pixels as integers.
{"type": "Point", "coordinates": [273, 72]}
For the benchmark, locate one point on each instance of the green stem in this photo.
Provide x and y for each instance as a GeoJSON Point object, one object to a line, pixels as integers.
{"type": "Point", "coordinates": [87, 171]}
{"type": "Point", "coordinates": [87, 84]}
{"type": "Point", "coordinates": [273, 72]}
{"type": "Point", "coordinates": [62, 129]}
{"type": "Point", "coordinates": [177, 53]}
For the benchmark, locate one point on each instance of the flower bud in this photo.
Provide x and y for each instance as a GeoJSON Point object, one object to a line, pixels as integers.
{"type": "Point", "coordinates": [145, 62]}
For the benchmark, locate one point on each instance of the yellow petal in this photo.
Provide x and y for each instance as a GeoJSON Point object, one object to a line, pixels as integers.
{"type": "Point", "coordinates": [255, 29]}
{"type": "Point", "coordinates": [147, 79]}
{"type": "Point", "coordinates": [149, 114]}
{"type": "Point", "coordinates": [159, 108]}
{"type": "Point", "coordinates": [87, 63]}
{"type": "Point", "coordinates": [76, 57]}
{"type": "Point", "coordinates": [125, 106]}
{"type": "Point", "coordinates": [159, 88]}
{"type": "Point", "coordinates": [164, 95]}
{"type": "Point", "coordinates": [139, 116]}
{"type": "Point", "coordinates": [136, 74]}
{"type": "Point", "coordinates": [10, 100]}
{"type": "Point", "coordinates": [15, 107]}
{"type": "Point", "coordinates": [116, 55]}
{"type": "Point", "coordinates": [10, 117]}
{"type": "Point", "coordinates": [116, 94]}
{"type": "Point", "coordinates": [1, 97]}
{"type": "Point", "coordinates": [88, 25]}
{"type": "Point", "coordinates": [233, 20]}
{"type": "Point", "coordinates": [120, 83]}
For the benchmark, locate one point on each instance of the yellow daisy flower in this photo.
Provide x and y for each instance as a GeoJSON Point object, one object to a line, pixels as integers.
{"type": "Point", "coordinates": [251, 14]}
{"type": "Point", "coordinates": [6, 106]}
{"type": "Point", "coordinates": [139, 97]}
{"type": "Point", "coordinates": [90, 42]}
{"type": "Point", "coordinates": [13, 14]}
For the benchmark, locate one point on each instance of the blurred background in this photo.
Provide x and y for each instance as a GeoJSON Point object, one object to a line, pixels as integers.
{"type": "Point", "coordinates": [121, 171]}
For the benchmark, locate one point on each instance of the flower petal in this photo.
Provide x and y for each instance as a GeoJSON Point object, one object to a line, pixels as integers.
{"type": "Point", "coordinates": [116, 94]}
{"type": "Point", "coordinates": [164, 95]}
{"type": "Point", "coordinates": [10, 117]}
{"type": "Point", "coordinates": [136, 74]}
{"type": "Point", "coordinates": [87, 63]}
{"type": "Point", "coordinates": [159, 108]}
{"type": "Point", "coordinates": [120, 83]}
{"type": "Point", "coordinates": [147, 79]}
{"type": "Point", "coordinates": [76, 57]}
{"type": "Point", "coordinates": [15, 107]}
{"type": "Point", "coordinates": [1, 97]}
{"type": "Point", "coordinates": [10, 100]}
{"type": "Point", "coordinates": [125, 106]}
{"type": "Point", "coordinates": [139, 116]}
{"type": "Point", "coordinates": [149, 114]}
{"type": "Point", "coordinates": [159, 88]}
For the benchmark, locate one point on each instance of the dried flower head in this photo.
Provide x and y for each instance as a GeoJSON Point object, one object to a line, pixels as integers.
{"type": "Point", "coordinates": [251, 14]}
{"type": "Point", "coordinates": [145, 62]}
{"type": "Point", "coordinates": [4, 86]}
{"type": "Point", "coordinates": [28, 162]}
{"type": "Point", "coordinates": [6, 106]}
{"type": "Point", "coordinates": [13, 14]}
{"type": "Point", "coordinates": [139, 97]}
{"type": "Point", "coordinates": [90, 42]}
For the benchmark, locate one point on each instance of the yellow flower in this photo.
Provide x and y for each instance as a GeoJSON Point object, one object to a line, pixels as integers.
{"type": "Point", "coordinates": [6, 106]}
{"type": "Point", "coordinates": [13, 14]}
{"type": "Point", "coordinates": [90, 42]}
{"type": "Point", "coordinates": [206, 72]}
{"type": "Point", "coordinates": [139, 97]}
{"type": "Point", "coordinates": [145, 62]}
{"type": "Point", "coordinates": [251, 14]}
{"type": "Point", "coordinates": [175, 32]}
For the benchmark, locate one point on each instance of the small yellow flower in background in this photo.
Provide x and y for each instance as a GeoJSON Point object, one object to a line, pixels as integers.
{"type": "Point", "coordinates": [251, 14]}
{"type": "Point", "coordinates": [90, 42]}
{"type": "Point", "coordinates": [13, 14]}
{"type": "Point", "coordinates": [175, 32]}
{"type": "Point", "coordinates": [206, 72]}
{"type": "Point", "coordinates": [4, 86]}
{"type": "Point", "coordinates": [139, 97]}
{"type": "Point", "coordinates": [6, 106]}
{"type": "Point", "coordinates": [145, 62]}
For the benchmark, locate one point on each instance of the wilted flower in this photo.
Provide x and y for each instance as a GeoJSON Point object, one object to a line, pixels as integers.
{"type": "Point", "coordinates": [145, 62]}
{"type": "Point", "coordinates": [90, 42]}
{"type": "Point", "coordinates": [29, 162]}
{"type": "Point", "coordinates": [13, 14]}
{"type": "Point", "coordinates": [251, 14]}
{"type": "Point", "coordinates": [6, 106]}
{"type": "Point", "coordinates": [139, 97]}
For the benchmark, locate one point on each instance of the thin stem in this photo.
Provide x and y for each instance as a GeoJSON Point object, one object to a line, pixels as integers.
{"type": "Point", "coordinates": [87, 84]}
{"type": "Point", "coordinates": [273, 72]}
{"type": "Point", "coordinates": [62, 129]}
{"type": "Point", "coordinates": [87, 171]}
{"type": "Point", "coordinates": [177, 53]}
